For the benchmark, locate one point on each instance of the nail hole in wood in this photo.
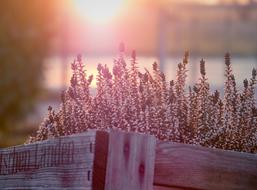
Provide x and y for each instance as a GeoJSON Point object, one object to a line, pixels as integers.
{"type": "Point", "coordinates": [91, 147]}
{"type": "Point", "coordinates": [88, 175]}
{"type": "Point", "coordinates": [141, 171]}
{"type": "Point", "coordinates": [126, 149]}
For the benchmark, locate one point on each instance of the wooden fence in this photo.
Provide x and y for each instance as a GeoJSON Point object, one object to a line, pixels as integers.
{"type": "Point", "coordinates": [123, 161]}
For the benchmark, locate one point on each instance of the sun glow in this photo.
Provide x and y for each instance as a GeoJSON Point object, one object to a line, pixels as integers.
{"type": "Point", "coordinates": [98, 11]}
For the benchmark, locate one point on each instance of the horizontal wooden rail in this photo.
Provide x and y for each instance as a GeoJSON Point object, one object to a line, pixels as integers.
{"type": "Point", "coordinates": [180, 166]}
{"type": "Point", "coordinates": [61, 163]}
{"type": "Point", "coordinates": [123, 161]}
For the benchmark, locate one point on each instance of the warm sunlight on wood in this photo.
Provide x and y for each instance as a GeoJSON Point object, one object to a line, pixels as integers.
{"type": "Point", "coordinates": [98, 11]}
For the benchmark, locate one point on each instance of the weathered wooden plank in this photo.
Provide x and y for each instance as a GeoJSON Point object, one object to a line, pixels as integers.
{"type": "Point", "coordinates": [195, 167]}
{"type": "Point", "coordinates": [130, 162]}
{"type": "Point", "coordinates": [62, 163]}
{"type": "Point", "coordinates": [123, 161]}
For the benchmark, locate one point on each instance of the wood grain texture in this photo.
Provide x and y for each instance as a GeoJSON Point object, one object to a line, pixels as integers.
{"type": "Point", "coordinates": [130, 162]}
{"type": "Point", "coordinates": [194, 167]}
{"type": "Point", "coordinates": [123, 161]}
{"type": "Point", "coordinates": [61, 163]}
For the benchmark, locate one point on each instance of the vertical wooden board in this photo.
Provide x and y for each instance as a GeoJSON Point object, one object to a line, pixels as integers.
{"type": "Point", "coordinates": [130, 162]}
{"type": "Point", "coordinates": [196, 167]}
{"type": "Point", "coordinates": [61, 163]}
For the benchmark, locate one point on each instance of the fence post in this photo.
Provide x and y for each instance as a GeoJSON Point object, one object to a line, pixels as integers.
{"type": "Point", "coordinates": [123, 161]}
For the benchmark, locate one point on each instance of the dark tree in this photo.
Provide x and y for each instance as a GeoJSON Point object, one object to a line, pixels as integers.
{"type": "Point", "coordinates": [26, 27]}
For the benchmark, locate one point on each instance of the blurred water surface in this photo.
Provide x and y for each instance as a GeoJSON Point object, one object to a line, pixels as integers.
{"type": "Point", "coordinates": [242, 68]}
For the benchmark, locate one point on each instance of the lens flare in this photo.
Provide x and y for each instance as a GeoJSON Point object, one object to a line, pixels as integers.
{"type": "Point", "coordinates": [98, 11]}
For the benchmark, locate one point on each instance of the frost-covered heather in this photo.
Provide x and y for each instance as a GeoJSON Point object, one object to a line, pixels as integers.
{"type": "Point", "coordinates": [130, 100]}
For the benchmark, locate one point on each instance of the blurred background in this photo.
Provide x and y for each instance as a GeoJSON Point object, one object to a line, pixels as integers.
{"type": "Point", "coordinates": [40, 38]}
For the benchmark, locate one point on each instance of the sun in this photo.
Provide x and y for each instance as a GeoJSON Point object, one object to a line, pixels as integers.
{"type": "Point", "coordinates": [98, 11]}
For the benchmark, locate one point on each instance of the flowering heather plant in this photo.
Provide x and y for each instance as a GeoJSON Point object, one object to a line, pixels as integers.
{"type": "Point", "coordinates": [129, 100]}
